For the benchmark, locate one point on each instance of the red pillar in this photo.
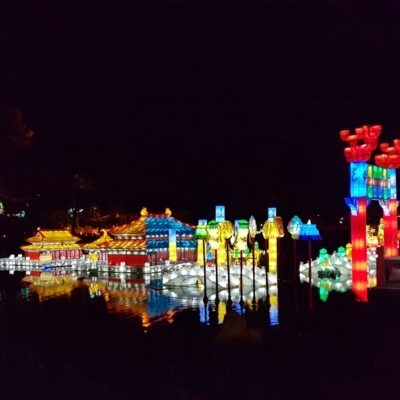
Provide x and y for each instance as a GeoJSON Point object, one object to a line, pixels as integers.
{"type": "Point", "coordinates": [359, 250]}
{"type": "Point", "coordinates": [390, 229]}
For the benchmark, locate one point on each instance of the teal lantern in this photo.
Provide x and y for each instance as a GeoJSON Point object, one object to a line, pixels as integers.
{"type": "Point", "coordinates": [341, 252]}
{"type": "Point", "coordinates": [323, 256]}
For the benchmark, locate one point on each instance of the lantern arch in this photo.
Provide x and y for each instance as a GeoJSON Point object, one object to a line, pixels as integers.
{"type": "Point", "coordinates": [370, 182]}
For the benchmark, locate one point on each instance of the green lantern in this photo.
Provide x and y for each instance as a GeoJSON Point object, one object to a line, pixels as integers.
{"type": "Point", "coordinates": [341, 252]}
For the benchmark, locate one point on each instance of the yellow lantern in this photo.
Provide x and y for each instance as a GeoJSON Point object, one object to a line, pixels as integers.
{"type": "Point", "coordinates": [45, 258]}
{"type": "Point", "coordinates": [273, 229]}
{"type": "Point", "coordinates": [241, 238]}
{"type": "Point", "coordinates": [93, 257]}
{"type": "Point", "coordinates": [213, 234]}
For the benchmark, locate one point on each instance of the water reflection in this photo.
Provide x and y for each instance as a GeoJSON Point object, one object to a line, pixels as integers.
{"type": "Point", "coordinates": [340, 284]}
{"type": "Point", "coordinates": [145, 298]}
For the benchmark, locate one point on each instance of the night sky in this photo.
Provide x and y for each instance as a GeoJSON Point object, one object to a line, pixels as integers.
{"type": "Point", "coordinates": [189, 104]}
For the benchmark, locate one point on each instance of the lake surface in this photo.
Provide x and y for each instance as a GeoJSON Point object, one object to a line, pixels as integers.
{"type": "Point", "coordinates": [104, 337]}
{"type": "Point", "coordinates": [144, 298]}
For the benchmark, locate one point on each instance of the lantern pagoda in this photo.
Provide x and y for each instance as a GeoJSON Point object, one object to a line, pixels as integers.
{"type": "Point", "coordinates": [59, 243]}
{"type": "Point", "coordinates": [150, 238]}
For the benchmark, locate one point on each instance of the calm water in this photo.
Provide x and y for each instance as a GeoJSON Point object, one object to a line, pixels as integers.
{"type": "Point", "coordinates": [145, 299]}
{"type": "Point", "coordinates": [122, 339]}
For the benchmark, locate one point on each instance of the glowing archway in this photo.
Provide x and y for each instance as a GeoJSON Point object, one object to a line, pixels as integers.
{"type": "Point", "coordinates": [370, 182]}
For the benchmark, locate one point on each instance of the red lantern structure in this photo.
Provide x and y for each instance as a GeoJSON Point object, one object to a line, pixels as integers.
{"type": "Point", "coordinates": [370, 182]}
{"type": "Point", "coordinates": [391, 161]}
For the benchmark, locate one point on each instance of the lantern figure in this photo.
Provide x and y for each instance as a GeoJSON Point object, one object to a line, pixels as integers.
{"type": "Point", "coordinates": [241, 238]}
{"type": "Point", "coordinates": [341, 252]}
{"type": "Point", "coordinates": [349, 251]}
{"type": "Point", "coordinates": [225, 233]}
{"type": "Point", "coordinates": [93, 256]}
{"type": "Point", "coordinates": [252, 227]}
{"type": "Point", "coordinates": [201, 235]}
{"type": "Point", "coordinates": [213, 234]}
{"type": "Point", "coordinates": [273, 229]}
{"type": "Point", "coordinates": [294, 227]}
{"type": "Point", "coordinates": [323, 258]}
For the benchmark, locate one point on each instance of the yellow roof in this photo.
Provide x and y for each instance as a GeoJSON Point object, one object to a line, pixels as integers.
{"type": "Point", "coordinates": [127, 245]}
{"type": "Point", "coordinates": [44, 246]}
{"type": "Point", "coordinates": [136, 227]}
{"type": "Point", "coordinates": [44, 235]}
{"type": "Point", "coordinates": [102, 242]}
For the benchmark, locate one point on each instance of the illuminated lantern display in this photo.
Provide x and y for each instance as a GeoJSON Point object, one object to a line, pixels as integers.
{"type": "Point", "coordinates": [45, 259]}
{"type": "Point", "coordinates": [150, 238]}
{"type": "Point", "coordinates": [1, 208]}
{"type": "Point", "coordinates": [252, 234]}
{"type": "Point", "coordinates": [241, 243]}
{"type": "Point", "coordinates": [172, 245]}
{"type": "Point", "coordinates": [226, 231]}
{"type": "Point", "coordinates": [213, 230]}
{"type": "Point", "coordinates": [241, 237]}
{"type": "Point", "coordinates": [349, 251]}
{"type": "Point", "coordinates": [147, 239]}
{"type": "Point", "coordinates": [252, 228]}
{"type": "Point", "coordinates": [93, 256]}
{"type": "Point", "coordinates": [363, 187]}
{"type": "Point", "coordinates": [201, 236]}
{"type": "Point", "coordinates": [388, 163]}
{"type": "Point", "coordinates": [294, 227]}
{"type": "Point", "coordinates": [220, 213]}
{"type": "Point", "coordinates": [323, 257]}
{"type": "Point", "coordinates": [272, 230]}
{"type": "Point", "coordinates": [213, 234]}
{"type": "Point", "coordinates": [309, 232]}
{"type": "Point", "coordinates": [341, 252]}
{"type": "Point", "coordinates": [381, 231]}
{"type": "Point", "coordinates": [59, 243]}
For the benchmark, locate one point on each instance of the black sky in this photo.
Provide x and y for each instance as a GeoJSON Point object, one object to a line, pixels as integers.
{"type": "Point", "coordinates": [190, 104]}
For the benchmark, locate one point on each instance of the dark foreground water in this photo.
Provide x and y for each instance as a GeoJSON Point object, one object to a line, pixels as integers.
{"type": "Point", "coordinates": [88, 342]}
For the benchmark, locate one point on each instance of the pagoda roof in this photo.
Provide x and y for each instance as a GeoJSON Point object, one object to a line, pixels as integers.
{"type": "Point", "coordinates": [160, 224]}
{"type": "Point", "coordinates": [153, 224]}
{"type": "Point", "coordinates": [127, 245]}
{"type": "Point", "coordinates": [135, 227]}
{"type": "Point", "coordinates": [52, 236]}
{"type": "Point", "coordinates": [50, 246]}
{"type": "Point", "coordinates": [102, 242]}
{"type": "Point", "coordinates": [159, 244]}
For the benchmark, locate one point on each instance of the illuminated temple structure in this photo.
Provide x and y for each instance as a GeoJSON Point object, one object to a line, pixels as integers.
{"type": "Point", "coordinates": [59, 243]}
{"type": "Point", "coordinates": [151, 238]}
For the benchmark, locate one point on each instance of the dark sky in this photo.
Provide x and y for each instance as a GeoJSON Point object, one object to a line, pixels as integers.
{"type": "Point", "coordinates": [196, 103]}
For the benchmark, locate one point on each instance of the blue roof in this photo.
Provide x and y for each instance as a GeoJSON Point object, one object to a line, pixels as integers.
{"type": "Point", "coordinates": [161, 226]}
{"type": "Point", "coordinates": [164, 244]}
{"type": "Point", "coordinates": [309, 231]}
